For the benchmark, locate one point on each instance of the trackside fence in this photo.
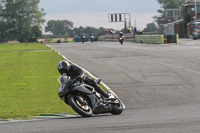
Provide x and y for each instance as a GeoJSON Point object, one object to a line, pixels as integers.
{"type": "Point", "coordinates": [149, 39]}
{"type": "Point", "coordinates": [156, 39]}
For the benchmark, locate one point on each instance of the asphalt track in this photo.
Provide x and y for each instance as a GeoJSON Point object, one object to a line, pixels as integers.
{"type": "Point", "coordinates": [158, 83]}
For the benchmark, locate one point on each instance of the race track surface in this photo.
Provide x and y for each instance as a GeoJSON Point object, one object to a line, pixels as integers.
{"type": "Point", "coordinates": [158, 83]}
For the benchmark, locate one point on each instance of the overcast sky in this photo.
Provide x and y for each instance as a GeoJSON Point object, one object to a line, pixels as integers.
{"type": "Point", "coordinates": [95, 12]}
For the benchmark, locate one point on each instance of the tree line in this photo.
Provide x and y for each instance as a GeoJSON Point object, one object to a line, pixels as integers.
{"type": "Point", "coordinates": [22, 19]}
{"type": "Point", "coordinates": [65, 28]}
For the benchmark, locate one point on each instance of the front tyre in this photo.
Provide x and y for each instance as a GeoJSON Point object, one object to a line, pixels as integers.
{"type": "Point", "coordinates": [117, 107]}
{"type": "Point", "coordinates": [80, 105]}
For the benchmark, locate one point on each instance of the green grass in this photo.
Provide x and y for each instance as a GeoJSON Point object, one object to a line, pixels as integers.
{"type": "Point", "coordinates": [28, 85]}
{"type": "Point", "coordinates": [23, 46]}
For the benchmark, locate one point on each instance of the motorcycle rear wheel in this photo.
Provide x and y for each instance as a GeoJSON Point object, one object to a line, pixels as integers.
{"type": "Point", "coordinates": [84, 110]}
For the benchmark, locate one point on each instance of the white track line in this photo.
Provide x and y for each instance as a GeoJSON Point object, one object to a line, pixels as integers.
{"type": "Point", "coordinates": [179, 67]}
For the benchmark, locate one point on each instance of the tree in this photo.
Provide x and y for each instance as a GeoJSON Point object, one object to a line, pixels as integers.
{"type": "Point", "coordinates": [88, 31]}
{"type": "Point", "coordinates": [187, 19]}
{"type": "Point", "coordinates": [150, 27]}
{"type": "Point", "coordinates": [65, 28]}
{"type": "Point", "coordinates": [36, 33]}
{"type": "Point", "coordinates": [169, 4]}
{"type": "Point", "coordinates": [19, 18]}
{"type": "Point", "coordinates": [59, 27]}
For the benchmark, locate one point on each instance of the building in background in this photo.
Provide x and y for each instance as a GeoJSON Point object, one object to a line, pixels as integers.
{"type": "Point", "coordinates": [180, 21]}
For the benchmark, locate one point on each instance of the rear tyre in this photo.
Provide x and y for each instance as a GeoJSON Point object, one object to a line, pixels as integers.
{"type": "Point", "coordinates": [81, 105]}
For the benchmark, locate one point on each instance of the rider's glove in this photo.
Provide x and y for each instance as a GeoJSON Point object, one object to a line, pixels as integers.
{"type": "Point", "coordinates": [79, 78]}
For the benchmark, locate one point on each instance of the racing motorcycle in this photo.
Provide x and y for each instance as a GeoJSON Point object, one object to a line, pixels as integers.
{"type": "Point", "coordinates": [121, 39]}
{"type": "Point", "coordinates": [83, 38]}
{"type": "Point", "coordinates": [85, 100]}
{"type": "Point", "coordinates": [92, 38]}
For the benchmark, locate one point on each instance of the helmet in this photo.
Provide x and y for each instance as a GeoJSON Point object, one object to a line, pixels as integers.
{"type": "Point", "coordinates": [63, 66]}
{"type": "Point", "coordinates": [121, 33]}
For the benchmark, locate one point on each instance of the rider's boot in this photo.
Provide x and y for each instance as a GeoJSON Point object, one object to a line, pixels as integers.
{"type": "Point", "coordinates": [111, 97]}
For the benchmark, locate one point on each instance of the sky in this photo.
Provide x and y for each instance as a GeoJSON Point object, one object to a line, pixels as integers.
{"type": "Point", "coordinates": [94, 13]}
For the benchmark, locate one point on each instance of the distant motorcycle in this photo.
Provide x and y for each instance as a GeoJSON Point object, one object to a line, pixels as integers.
{"type": "Point", "coordinates": [92, 38]}
{"type": "Point", "coordinates": [84, 99]}
{"type": "Point", "coordinates": [83, 38]}
{"type": "Point", "coordinates": [121, 39]}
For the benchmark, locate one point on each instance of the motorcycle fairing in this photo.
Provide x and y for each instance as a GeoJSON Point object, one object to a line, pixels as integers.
{"type": "Point", "coordinates": [98, 106]}
{"type": "Point", "coordinates": [82, 90]}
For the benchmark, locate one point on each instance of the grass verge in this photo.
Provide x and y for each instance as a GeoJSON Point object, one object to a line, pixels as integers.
{"type": "Point", "coordinates": [22, 46]}
{"type": "Point", "coordinates": [28, 85]}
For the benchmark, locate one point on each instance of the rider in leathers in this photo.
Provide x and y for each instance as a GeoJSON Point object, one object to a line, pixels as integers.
{"type": "Point", "coordinates": [76, 73]}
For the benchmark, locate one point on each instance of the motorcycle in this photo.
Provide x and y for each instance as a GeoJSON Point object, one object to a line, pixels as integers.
{"type": "Point", "coordinates": [83, 39]}
{"type": "Point", "coordinates": [121, 39]}
{"type": "Point", "coordinates": [92, 39]}
{"type": "Point", "coordinates": [85, 100]}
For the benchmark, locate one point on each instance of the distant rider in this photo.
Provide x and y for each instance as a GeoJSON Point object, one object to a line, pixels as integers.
{"type": "Point", "coordinates": [82, 35]}
{"type": "Point", "coordinates": [121, 35]}
{"type": "Point", "coordinates": [92, 38]}
{"type": "Point", "coordinates": [83, 38]}
{"type": "Point", "coordinates": [76, 73]}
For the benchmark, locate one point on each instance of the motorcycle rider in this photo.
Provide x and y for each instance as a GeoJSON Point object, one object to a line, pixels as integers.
{"type": "Point", "coordinates": [121, 35]}
{"type": "Point", "coordinates": [82, 35]}
{"type": "Point", "coordinates": [83, 38]}
{"type": "Point", "coordinates": [92, 38]}
{"type": "Point", "coordinates": [76, 73]}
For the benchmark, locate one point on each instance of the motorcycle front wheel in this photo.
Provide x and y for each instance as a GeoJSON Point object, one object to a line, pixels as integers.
{"type": "Point", "coordinates": [81, 105]}
{"type": "Point", "coordinates": [117, 107]}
